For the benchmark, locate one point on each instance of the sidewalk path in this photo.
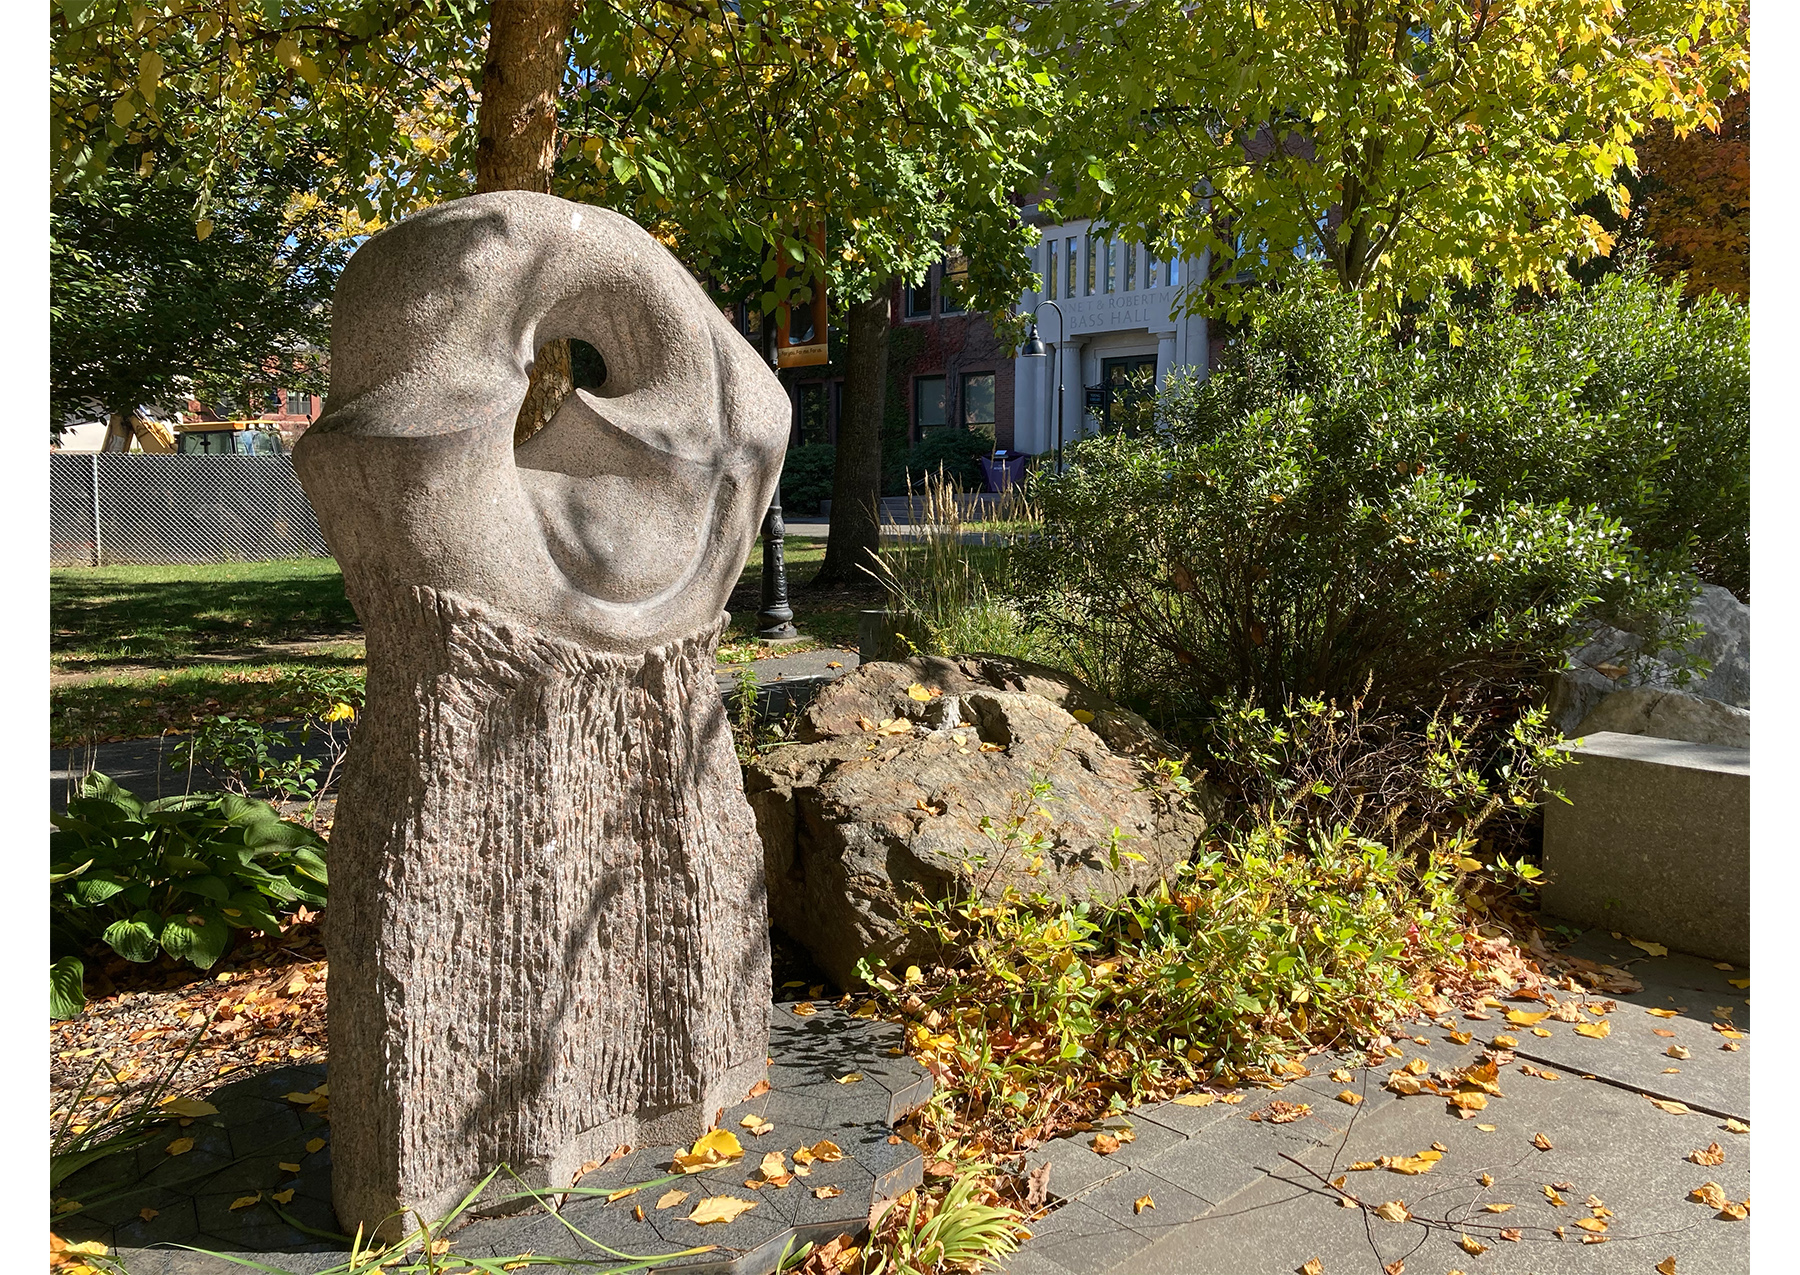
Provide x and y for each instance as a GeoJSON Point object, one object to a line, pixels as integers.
{"type": "Point", "coordinates": [1237, 1196]}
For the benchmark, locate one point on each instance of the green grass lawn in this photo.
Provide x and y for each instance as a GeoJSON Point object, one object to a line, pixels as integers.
{"type": "Point", "coordinates": [135, 651]}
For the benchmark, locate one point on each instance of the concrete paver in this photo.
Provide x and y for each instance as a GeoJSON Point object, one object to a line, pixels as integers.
{"type": "Point", "coordinates": [1247, 1197]}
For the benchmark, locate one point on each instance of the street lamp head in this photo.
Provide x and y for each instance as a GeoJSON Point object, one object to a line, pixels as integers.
{"type": "Point", "coordinates": [1034, 345]}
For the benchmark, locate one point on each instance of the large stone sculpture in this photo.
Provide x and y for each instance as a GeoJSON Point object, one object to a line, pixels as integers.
{"type": "Point", "coordinates": [547, 925]}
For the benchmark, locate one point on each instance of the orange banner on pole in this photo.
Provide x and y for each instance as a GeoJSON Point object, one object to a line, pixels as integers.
{"type": "Point", "coordinates": [803, 339]}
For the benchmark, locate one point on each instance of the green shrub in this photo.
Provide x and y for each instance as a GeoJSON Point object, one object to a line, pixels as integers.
{"type": "Point", "coordinates": [1623, 396]}
{"type": "Point", "coordinates": [179, 875]}
{"type": "Point", "coordinates": [1620, 396]}
{"type": "Point", "coordinates": [806, 477]}
{"type": "Point", "coordinates": [954, 453]}
{"type": "Point", "coordinates": [1254, 951]}
{"type": "Point", "coordinates": [1314, 516]}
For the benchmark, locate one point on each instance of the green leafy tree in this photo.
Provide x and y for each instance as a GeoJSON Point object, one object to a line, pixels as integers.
{"type": "Point", "coordinates": [146, 312]}
{"type": "Point", "coordinates": [1408, 147]}
{"type": "Point", "coordinates": [727, 128]}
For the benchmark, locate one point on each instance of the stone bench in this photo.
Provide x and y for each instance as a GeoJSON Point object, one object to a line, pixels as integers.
{"type": "Point", "coordinates": [1654, 842]}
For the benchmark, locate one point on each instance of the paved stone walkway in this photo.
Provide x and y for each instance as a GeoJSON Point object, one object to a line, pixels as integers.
{"type": "Point", "coordinates": [149, 1203]}
{"type": "Point", "coordinates": [1237, 1196]}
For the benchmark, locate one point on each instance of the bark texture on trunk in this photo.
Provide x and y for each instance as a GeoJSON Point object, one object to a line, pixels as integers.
{"type": "Point", "coordinates": [544, 881]}
{"type": "Point", "coordinates": [856, 474]}
{"type": "Point", "coordinates": [521, 84]}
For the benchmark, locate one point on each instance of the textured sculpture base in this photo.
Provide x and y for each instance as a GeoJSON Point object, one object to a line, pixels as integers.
{"type": "Point", "coordinates": [548, 925]}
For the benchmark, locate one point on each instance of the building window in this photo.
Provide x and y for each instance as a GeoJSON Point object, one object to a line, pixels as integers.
{"type": "Point", "coordinates": [929, 409]}
{"type": "Point", "coordinates": [1069, 256]}
{"type": "Point", "coordinates": [810, 409]}
{"type": "Point", "coordinates": [1175, 267]}
{"type": "Point", "coordinates": [918, 298]}
{"type": "Point", "coordinates": [1050, 275]}
{"type": "Point", "coordinates": [298, 403]}
{"type": "Point", "coordinates": [1093, 266]}
{"type": "Point", "coordinates": [1131, 256]}
{"type": "Point", "coordinates": [953, 290]}
{"type": "Point", "coordinates": [1112, 265]}
{"type": "Point", "coordinates": [978, 402]}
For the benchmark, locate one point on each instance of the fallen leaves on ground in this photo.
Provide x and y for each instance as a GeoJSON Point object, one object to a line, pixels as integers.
{"type": "Point", "coordinates": [1311, 1266]}
{"type": "Point", "coordinates": [670, 1199]}
{"type": "Point", "coordinates": [1671, 1106]}
{"type": "Point", "coordinates": [1497, 1208]}
{"type": "Point", "coordinates": [1141, 1203]}
{"type": "Point", "coordinates": [1196, 1099]}
{"type": "Point", "coordinates": [827, 1192]}
{"type": "Point", "coordinates": [1539, 1072]}
{"type": "Point", "coordinates": [805, 1009]}
{"type": "Point", "coordinates": [1711, 1194]}
{"type": "Point", "coordinates": [709, 1151]}
{"type": "Point", "coordinates": [1678, 1051]}
{"type": "Point", "coordinates": [190, 1108]}
{"type": "Point", "coordinates": [1472, 1246]}
{"type": "Point", "coordinates": [1279, 1112]}
{"type": "Point", "coordinates": [1519, 1018]}
{"type": "Point", "coordinates": [824, 1151]}
{"type": "Point", "coordinates": [719, 1208]}
{"type": "Point", "coordinates": [1666, 1266]}
{"type": "Point", "coordinates": [774, 1169]}
{"type": "Point", "coordinates": [1542, 1143]}
{"type": "Point", "coordinates": [181, 1146]}
{"type": "Point", "coordinates": [1392, 1211]}
{"type": "Point", "coordinates": [1645, 945]}
{"type": "Point", "coordinates": [1424, 1162]}
{"type": "Point", "coordinates": [1593, 1224]}
{"type": "Point", "coordinates": [1711, 1157]}
{"type": "Point", "coordinates": [1594, 1031]}
{"type": "Point", "coordinates": [1350, 1097]}
{"type": "Point", "coordinates": [245, 1201]}
{"type": "Point", "coordinates": [1550, 1194]}
{"type": "Point", "coordinates": [1734, 1212]}
{"type": "Point", "coordinates": [1735, 1126]}
{"type": "Point", "coordinates": [756, 1124]}
{"type": "Point", "coordinates": [1660, 1013]}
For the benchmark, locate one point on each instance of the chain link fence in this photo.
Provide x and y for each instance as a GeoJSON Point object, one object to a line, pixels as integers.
{"type": "Point", "coordinates": [107, 509]}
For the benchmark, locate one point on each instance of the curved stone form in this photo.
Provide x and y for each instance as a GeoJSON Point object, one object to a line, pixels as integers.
{"type": "Point", "coordinates": [548, 924]}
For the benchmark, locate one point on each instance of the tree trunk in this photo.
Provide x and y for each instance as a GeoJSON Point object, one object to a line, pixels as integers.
{"type": "Point", "coordinates": [856, 476]}
{"type": "Point", "coordinates": [521, 84]}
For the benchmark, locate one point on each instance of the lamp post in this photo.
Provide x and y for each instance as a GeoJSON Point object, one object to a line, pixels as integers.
{"type": "Point", "coordinates": [1034, 349]}
{"type": "Point", "coordinates": [775, 618]}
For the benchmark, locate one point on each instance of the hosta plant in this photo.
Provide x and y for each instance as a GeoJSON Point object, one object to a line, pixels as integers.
{"type": "Point", "coordinates": [180, 875]}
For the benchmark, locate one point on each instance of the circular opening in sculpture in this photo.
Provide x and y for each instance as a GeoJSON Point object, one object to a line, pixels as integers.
{"type": "Point", "coordinates": [587, 368]}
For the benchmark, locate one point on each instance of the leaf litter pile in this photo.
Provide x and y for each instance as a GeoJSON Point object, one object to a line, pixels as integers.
{"type": "Point", "coordinates": [261, 1007]}
{"type": "Point", "coordinates": [1543, 991]}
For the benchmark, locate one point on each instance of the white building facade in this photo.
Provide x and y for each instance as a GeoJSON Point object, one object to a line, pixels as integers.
{"type": "Point", "coordinates": [1121, 315]}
